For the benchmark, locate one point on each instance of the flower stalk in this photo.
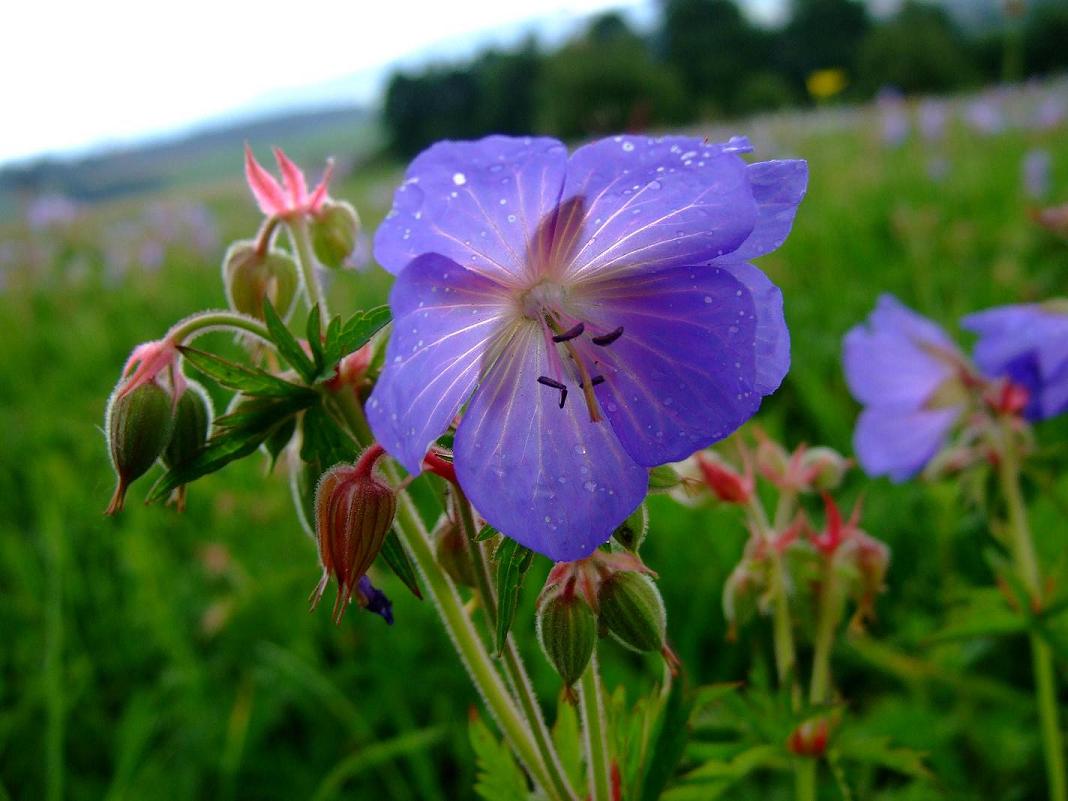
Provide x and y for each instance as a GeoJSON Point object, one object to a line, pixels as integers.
{"type": "Point", "coordinates": [595, 734]}
{"type": "Point", "coordinates": [1023, 550]}
{"type": "Point", "coordinates": [300, 237]}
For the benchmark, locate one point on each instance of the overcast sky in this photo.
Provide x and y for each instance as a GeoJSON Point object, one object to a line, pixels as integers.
{"type": "Point", "coordinates": [77, 75]}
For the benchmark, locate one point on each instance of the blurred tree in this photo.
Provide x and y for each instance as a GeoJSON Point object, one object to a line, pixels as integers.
{"type": "Point", "coordinates": [918, 50]}
{"type": "Point", "coordinates": [715, 49]}
{"type": "Point", "coordinates": [1046, 39]}
{"type": "Point", "coordinates": [439, 104]}
{"type": "Point", "coordinates": [822, 34]}
{"type": "Point", "coordinates": [607, 81]}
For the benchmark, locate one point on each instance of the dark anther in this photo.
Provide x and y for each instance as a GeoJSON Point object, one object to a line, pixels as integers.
{"type": "Point", "coordinates": [570, 334]}
{"type": "Point", "coordinates": [596, 381]}
{"type": "Point", "coordinates": [609, 338]}
{"type": "Point", "coordinates": [549, 382]}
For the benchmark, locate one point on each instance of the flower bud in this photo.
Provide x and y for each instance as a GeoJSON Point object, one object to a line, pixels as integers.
{"type": "Point", "coordinates": [353, 515]}
{"type": "Point", "coordinates": [192, 421]}
{"type": "Point", "coordinates": [333, 232]}
{"type": "Point", "coordinates": [726, 483]}
{"type": "Point", "coordinates": [567, 633]}
{"type": "Point", "coordinates": [452, 554]}
{"type": "Point", "coordinates": [663, 477]}
{"type": "Point", "coordinates": [138, 425]}
{"type": "Point", "coordinates": [810, 738]}
{"type": "Point", "coordinates": [251, 277]}
{"type": "Point", "coordinates": [632, 611]}
{"type": "Point", "coordinates": [772, 460]}
{"type": "Point", "coordinates": [631, 532]}
{"type": "Point", "coordinates": [823, 468]}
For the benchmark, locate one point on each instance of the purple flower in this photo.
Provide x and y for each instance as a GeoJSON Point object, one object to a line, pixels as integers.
{"type": "Point", "coordinates": [597, 315]}
{"type": "Point", "coordinates": [376, 601]}
{"type": "Point", "coordinates": [1028, 343]}
{"type": "Point", "coordinates": [907, 374]}
{"type": "Point", "coordinates": [1036, 173]}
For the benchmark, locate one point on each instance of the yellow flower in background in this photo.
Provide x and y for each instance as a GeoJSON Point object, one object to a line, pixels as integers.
{"type": "Point", "coordinates": [824, 84]}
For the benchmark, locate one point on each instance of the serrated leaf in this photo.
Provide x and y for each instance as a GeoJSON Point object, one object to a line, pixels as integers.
{"type": "Point", "coordinates": [359, 328]}
{"type": "Point", "coordinates": [568, 741]}
{"type": "Point", "coordinates": [231, 375]}
{"type": "Point", "coordinates": [397, 559]}
{"type": "Point", "coordinates": [287, 345]}
{"type": "Point", "coordinates": [513, 560]}
{"type": "Point", "coordinates": [314, 334]}
{"type": "Point", "coordinates": [332, 347]}
{"type": "Point", "coordinates": [254, 414]}
{"type": "Point", "coordinates": [485, 533]}
{"type": "Point", "coordinates": [879, 751]}
{"type": "Point", "coordinates": [218, 453]}
{"type": "Point", "coordinates": [324, 443]}
{"type": "Point", "coordinates": [498, 777]}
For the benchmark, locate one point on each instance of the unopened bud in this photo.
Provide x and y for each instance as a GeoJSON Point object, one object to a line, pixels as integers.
{"type": "Point", "coordinates": [567, 633]}
{"type": "Point", "coordinates": [192, 421]}
{"type": "Point", "coordinates": [353, 515]}
{"type": "Point", "coordinates": [772, 460]}
{"type": "Point", "coordinates": [138, 425]}
{"type": "Point", "coordinates": [663, 477]}
{"type": "Point", "coordinates": [631, 532]}
{"type": "Point", "coordinates": [453, 556]}
{"type": "Point", "coordinates": [333, 231]}
{"type": "Point", "coordinates": [823, 468]}
{"type": "Point", "coordinates": [810, 738]}
{"type": "Point", "coordinates": [632, 611]}
{"type": "Point", "coordinates": [726, 483]}
{"type": "Point", "coordinates": [251, 277]}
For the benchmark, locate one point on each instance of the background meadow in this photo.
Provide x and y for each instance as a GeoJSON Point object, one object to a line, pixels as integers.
{"type": "Point", "coordinates": [162, 656]}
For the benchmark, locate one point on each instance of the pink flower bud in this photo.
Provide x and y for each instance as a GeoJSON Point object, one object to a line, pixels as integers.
{"type": "Point", "coordinates": [353, 515]}
{"type": "Point", "coordinates": [725, 481]}
{"type": "Point", "coordinates": [810, 738]}
{"type": "Point", "coordinates": [291, 198]}
{"type": "Point", "coordinates": [823, 468]}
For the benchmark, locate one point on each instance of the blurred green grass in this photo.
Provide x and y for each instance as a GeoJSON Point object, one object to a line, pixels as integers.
{"type": "Point", "coordinates": [165, 656]}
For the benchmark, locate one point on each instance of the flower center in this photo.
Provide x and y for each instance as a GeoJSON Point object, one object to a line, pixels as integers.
{"type": "Point", "coordinates": [573, 344]}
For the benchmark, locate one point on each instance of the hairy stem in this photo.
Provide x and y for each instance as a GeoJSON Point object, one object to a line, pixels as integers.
{"type": "Point", "coordinates": [461, 629]}
{"type": "Point", "coordinates": [300, 236]}
{"type": "Point", "coordinates": [595, 733]}
{"type": "Point", "coordinates": [215, 320]}
{"type": "Point", "coordinates": [513, 665]}
{"type": "Point", "coordinates": [1023, 551]}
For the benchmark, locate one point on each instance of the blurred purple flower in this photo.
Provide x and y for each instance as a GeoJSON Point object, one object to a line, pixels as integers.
{"type": "Point", "coordinates": [597, 314]}
{"type": "Point", "coordinates": [1036, 169]}
{"type": "Point", "coordinates": [907, 374]}
{"type": "Point", "coordinates": [986, 115]}
{"type": "Point", "coordinates": [1027, 343]}
{"type": "Point", "coordinates": [893, 116]}
{"type": "Point", "coordinates": [46, 211]}
{"type": "Point", "coordinates": [1051, 112]}
{"type": "Point", "coordinates": [937, 168]}
{"type": "Point", "coordinates": [376, 601]}
{"type": "Point", "coordinates": [932, 119]}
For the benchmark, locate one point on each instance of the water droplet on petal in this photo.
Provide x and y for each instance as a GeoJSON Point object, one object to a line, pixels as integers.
{"type": "Point", "coordinates": [459, 179]}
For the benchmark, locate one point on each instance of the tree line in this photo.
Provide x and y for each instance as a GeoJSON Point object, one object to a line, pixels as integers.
{"type": "Point", "coordinates": [704, 60]}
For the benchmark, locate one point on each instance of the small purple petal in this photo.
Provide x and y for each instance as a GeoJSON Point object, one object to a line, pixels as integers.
{"type": "Point", "coordinates": [546, 477]}
{"type": "Point", "coordinates": [890, 361]}
{"type": "Point", "coordinates": [778, 187]}
{"type": "Point", "coordinates": [445, 318]}
{"type": "Point", "coordinates": [377, 602]}
{"type": "Point", "coordinates": [479, 203]}
{"type": "Point", "coordinates": [682, 374]}
{"type": "Point", "coordinates": [652, 203]}
{"type": "Point", "coordinates": [899, 442]}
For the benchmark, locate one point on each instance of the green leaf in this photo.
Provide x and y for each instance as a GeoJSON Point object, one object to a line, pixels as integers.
{"type": "Point", "coordinates": [498, 777]}
{"type": "Point", "coordinates": [485, 533]}
{"type": "Point", "coordinates": [278, 440]}
{"type": "Point", "coordinates": [568, 742]}
{"type": "Point", "coordinates": [397, 559]}
{"type": "Point", "coordinates": [287, 345]}
{"type": "Point", "coordinates": [231, 375]}
{"type": "Point", "coordinates": [359, 328]}
{"type": "Point", "coordinates": [862, 747]}
{"type": "Point", "coordinates": [218, 453]}
{"type": "Point", "coordinates": [256, 414]}
{"type": "Point", "coordinates": [669, 742]}
{"type": "Point", "coordinates": [314, 334]}
{"type": "Point", "coordinates": [513, 560]}
{"type": "Point", "coordinates": [324, 443]}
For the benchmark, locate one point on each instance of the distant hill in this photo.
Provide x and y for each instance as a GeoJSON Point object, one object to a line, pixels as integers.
{"type": "Point", "coordinates": [200, 156]}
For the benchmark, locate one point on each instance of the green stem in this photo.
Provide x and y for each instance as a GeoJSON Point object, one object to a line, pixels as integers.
{"type": "Point", "coordinates": [513, 665]}
{"type": "Point", "coordinates": [1023, 550]}
{"type": "Point", "coordinates": [300, 236]}
{"type": "Point", "coordinates": [805, 779]}
{"type": "Point", "coordinates": [465, 638]}
{"type": "Point", "coordinates": [203, 322]}
{"type": "Point", "coordinates": [826, 626]}
{"type": "Point", "coordinates": [596, 736]}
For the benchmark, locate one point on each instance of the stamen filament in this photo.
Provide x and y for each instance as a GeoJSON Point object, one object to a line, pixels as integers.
{"type": "Point", "coordinates": [571, 333]}
{"type": "Point", "coordinates": [609, 338]}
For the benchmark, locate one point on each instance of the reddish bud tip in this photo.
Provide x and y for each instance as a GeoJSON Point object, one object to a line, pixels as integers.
{"type": "Point", "coordinates": [726, 483]}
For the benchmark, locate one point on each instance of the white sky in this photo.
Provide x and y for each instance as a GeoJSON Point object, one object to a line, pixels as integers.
{"type": "Point", "coordinates": [77, 73]}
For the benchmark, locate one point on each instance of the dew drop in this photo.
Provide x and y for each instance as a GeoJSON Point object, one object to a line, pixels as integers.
{"type": "Point", "coordinates": [628, 146]}
{"type": "Point", "coordinates": [459, 178]}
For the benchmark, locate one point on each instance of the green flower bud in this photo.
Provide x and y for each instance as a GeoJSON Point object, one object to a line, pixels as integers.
{"type": "Point", "coordinates": [567, 633]}
{"type": "Point", "coordinates": [825, 467]}
{"type": "Point", "coordinates": [138, 425]}
{"type": "Point", "coordinates": [632, 611]}
{"type": "Point", "coordinates": [452, 554]}
{"type": "Point", "coordinates": [251, 277]}
{"type": "Point", "coordinates": [333, 233]}
{"type": "Point", "coordinates": [663, 478]}
{"type": "Point", "coordinates": [192, 421]}
{"type": "Point", "coordinates": [631, 532]}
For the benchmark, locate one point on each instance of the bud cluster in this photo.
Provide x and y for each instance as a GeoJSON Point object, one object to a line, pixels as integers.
{"type": "Point", "coordinates": [609, 593]}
